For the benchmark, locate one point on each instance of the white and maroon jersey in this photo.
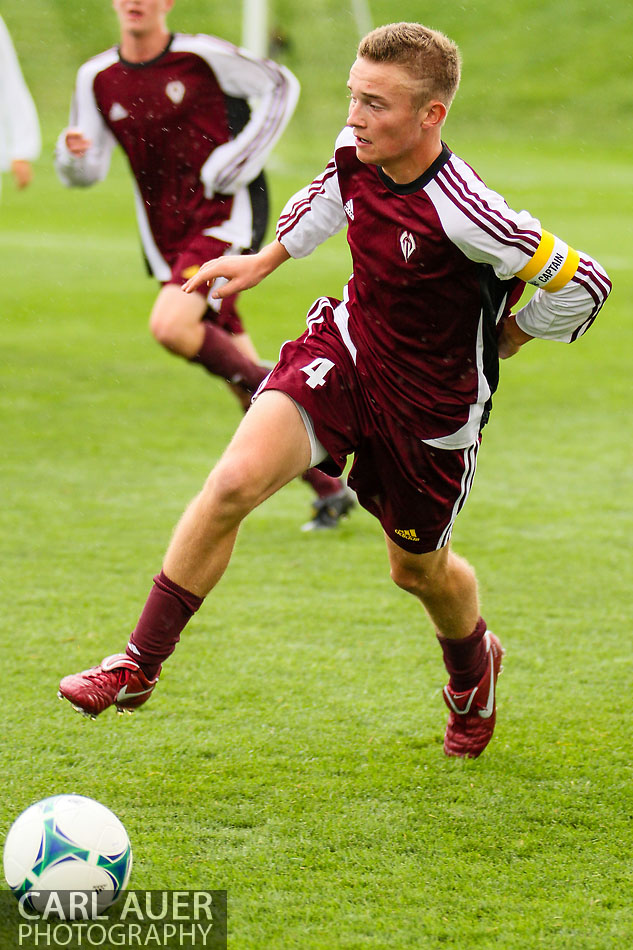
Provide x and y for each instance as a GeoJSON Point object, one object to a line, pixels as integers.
{"type": "Point", "coordinates": [436, 264]}
{"type": "Point", "coordinates": [196, 123]}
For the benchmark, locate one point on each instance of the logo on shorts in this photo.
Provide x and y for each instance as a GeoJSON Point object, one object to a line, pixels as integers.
{"type": "Point", "coordinates": [407, 243]}
{"type": "Point", "coordinates": [190, 271]}
{"type": "Point", "coordinates": [407, 533]}
{"type": "Point", "coordinates": [175, 91]}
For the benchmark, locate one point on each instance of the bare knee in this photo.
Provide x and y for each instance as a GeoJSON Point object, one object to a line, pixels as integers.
{"type": "Point", "coordinates": [445, 577]}
{"type": "Point", "coordinates": [414, 579]}
{"type": "Point", "coordinates": [232, 489]}
{"type": "Point", "coordinates": [167, 332]}
{"type": "Point", "coordinates": [429, 575]}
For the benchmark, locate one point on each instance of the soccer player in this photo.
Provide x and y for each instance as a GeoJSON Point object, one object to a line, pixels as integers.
{"type": "Point", "coordinates": [399, 373]}
{"type": "Point", "coordinates": [20, 141]}
{"type": "Point", "coordinates": [197, 118]}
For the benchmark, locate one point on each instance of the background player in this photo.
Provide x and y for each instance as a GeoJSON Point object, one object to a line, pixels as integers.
{"type": "Point", "coordinates": [399, 373]}
{"type": "Point", "coordinates": [197, 118]}
{"type": "Point", "coordinates": [20, 141]}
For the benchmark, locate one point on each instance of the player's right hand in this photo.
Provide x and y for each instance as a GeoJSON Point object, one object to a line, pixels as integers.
{"type": "Point", "coordinates": [238, 273]}
{"type": "Point", "coordinates": [22, 172]}
{"type": "Point", "coordinates": [76, 143]}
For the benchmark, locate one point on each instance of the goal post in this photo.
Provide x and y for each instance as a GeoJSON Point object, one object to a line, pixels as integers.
{"type": "Point", "coordinates": [255, 26]}
{"type": "Point", "coordinates": [362, 16]}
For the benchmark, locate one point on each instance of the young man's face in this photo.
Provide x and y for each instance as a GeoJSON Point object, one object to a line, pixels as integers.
{"type": "Point", "coordinates": [140, 17]}
{"type": "Point", "coordinates": [382, 114]}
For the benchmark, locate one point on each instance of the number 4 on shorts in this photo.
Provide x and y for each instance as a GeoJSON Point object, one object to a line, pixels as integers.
{"type": "Point", "coordinates": [316, 371]}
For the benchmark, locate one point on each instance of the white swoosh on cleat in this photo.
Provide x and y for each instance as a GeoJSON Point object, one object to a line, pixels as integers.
{"type": "Point", "coordinates": [123, 693]}
{"type": "Point", "coordinates": [454, 707]}
{"type": "Point", "coordinates": [489, 708]}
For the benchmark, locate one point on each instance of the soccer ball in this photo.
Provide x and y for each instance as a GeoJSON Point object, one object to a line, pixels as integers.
{"type": "Point", "coordinates": [69, 845]}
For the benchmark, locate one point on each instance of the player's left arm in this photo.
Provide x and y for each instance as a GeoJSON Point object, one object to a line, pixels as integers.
{"type": "Point", "coordinates": [272, 92]}
{"type": "Point", "coordinates": [84, 149]}
{"type": "Point", "coordinates": [571, 289]}
{"type": "Point", "coordinates": [571, 285]}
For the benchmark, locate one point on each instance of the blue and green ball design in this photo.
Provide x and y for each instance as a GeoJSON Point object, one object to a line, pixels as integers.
{"type": "Point", "coordinates": [67, 843]}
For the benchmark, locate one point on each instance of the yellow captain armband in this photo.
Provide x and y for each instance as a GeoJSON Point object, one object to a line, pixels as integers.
{"type": "Point", "coordinates": [553, 264]}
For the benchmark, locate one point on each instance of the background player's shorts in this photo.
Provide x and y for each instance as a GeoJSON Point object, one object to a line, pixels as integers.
{"type": "Point", "coordinates": [414, 489]}
{"type": "Point", "coordinates": [188, 262]}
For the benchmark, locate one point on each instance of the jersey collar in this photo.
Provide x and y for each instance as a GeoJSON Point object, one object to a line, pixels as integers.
{"type": "Point", "coordinates": [419, 183]}
{"type": "Point", "coordinates": [147, 62]}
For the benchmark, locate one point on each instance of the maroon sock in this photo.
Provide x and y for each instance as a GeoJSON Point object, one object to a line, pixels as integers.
{"type": "Point", "coordinates": [465, 659]}
{"type": "Point", "coordinates": [323, 484]}
{"type": "Point", "coordinates": [166, 613]}
{"type": "Point", "coordinates": [220, 356]}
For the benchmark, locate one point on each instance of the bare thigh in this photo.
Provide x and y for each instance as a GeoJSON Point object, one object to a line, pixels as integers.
{"type": "Point", "coordinates": [175, 320]}
{"type": "Point", "coordinates": [270, 447]}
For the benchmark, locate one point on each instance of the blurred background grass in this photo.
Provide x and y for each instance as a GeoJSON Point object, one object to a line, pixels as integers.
{"type": "Point", "coordinates": [545, 69]}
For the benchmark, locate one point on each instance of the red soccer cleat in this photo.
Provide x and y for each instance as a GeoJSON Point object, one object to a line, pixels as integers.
{"type": "Point", "coordinates": [471, 722]}
{"type": "Point", "coordinates": [117, 681]}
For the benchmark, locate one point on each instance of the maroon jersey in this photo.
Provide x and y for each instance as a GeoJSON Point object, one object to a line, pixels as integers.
{"type": "Point", "coordinates": [437, 263]}
{"type": "Point", "coordinates": [194, 144]}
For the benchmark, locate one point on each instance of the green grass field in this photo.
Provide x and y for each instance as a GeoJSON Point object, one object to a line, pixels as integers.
{"type": "Point", "coordinates": [292, 752]}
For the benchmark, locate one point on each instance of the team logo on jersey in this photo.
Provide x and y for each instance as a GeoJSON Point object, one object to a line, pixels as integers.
{"type": "Point", "coordinates": [407, 243]}
{"type": "Point", "coordinates": [175, 91]}
{"type": "Point", "coordinates": [348, 208]}
{"type": "Point", "coordinates": [117, 112]}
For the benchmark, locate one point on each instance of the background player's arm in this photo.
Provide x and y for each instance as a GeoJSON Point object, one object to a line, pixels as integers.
{"type": "Point", "coordinates": [84, 148]}
{"type": "Point", "coordinates": [22, 172]}
{"type": "Point", "coordinates": [272, 92]}
{"type": "Point", "coordinates": [19, 125]}
{"type": "Point", "coordinates": [310, 217]}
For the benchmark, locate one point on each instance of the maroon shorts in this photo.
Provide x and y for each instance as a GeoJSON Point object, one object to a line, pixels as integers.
{"type": "Point", "coordinates": [185, 263]}
{"type": "Point", "coordinates": [414, 489]}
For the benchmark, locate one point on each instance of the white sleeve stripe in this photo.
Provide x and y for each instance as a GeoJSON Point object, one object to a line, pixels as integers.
{"type": "Point", "coordinates": [480, 213]}
{"type": "Point", "coordinates": [598, 289]}
{"type": "Point", "coordinates": [599, 279]}
{"type": "Point", "coordinates": [275, 122]}
{"type": "Point", "coordinates": [315, 189]}
{"type": "Point", "coordinates": [597, 295]}
{"type": "Point", "coordinates": [274, 118]}
{"type": "Point", "coordinates": [203, 45]}
{"type": "Point", "coordinates": [270, 89]}
{"type": "Point", "coordinates": [531, 237]}
{"type": "Point", "coordinates": [444, 187]}
{"type": "Point", "coordinates": [288, 221]}
{"type": "Point", "coordinates": [584, 326]}
{"type": "Point", "coordinates": [317, 185]}
{"type": "Point", "coordinates": [267, 134]}
{"type": "Point", "coordinates": [586, 285]}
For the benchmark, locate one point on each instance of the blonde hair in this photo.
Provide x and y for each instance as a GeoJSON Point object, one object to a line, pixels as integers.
{"type": "Point", "coordinates": [431, 57]}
